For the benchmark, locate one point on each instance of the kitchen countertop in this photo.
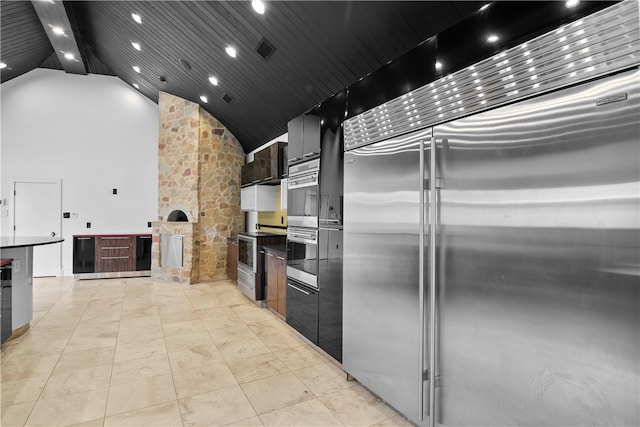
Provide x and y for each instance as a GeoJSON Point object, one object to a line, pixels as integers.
{"type": "Point", "coordinates": [282, 249]}
{"type": "Point", "coordinates": [114, 235]}
{"type": "Point", "coordinates": [25, 241]}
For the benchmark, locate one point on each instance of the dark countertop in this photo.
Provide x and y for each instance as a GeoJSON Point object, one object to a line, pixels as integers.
{"type": "Point", "coordinates": [281, 249]}
{"type": "Point", "coordinates": [114, 235]}
{"type": "Point", "coordinates": [24, 241]}
{"type": "Point", "coordinates": [260, 234]}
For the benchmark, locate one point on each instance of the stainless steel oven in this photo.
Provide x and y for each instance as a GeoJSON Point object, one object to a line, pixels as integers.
{"type": "Point", "coordinates": [248, 253]}
{"type": "Point", "coordinates": [302, 255]}
{"type": "Point", "coordinates": [302, 194]}
{"type": "Point", "coordinates": [247, 265]}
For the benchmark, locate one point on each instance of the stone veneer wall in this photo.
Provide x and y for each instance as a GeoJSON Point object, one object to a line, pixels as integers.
{"type": "Point", "coordinates": [199, 173]}
{"type": "Point", "coordinates": [221, 159]}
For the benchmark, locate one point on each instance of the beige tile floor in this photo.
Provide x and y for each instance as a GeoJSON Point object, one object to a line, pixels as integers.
{"type": "Point", "coordinates": [131, 352]}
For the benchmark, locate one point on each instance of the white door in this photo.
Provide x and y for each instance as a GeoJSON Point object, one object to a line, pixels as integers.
{"type": "Point", "coordinates": [37, 212]}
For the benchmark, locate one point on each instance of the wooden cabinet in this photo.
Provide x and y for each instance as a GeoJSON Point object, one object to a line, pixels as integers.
{"type": "Point", "coordinates": [115, 255]}
{"type": "Point", "coordinates": [232, 259]}
{"type": "Point", "coordinates": [269, 165]}
{"type": "Point", "coordinates": [304, 138]}
{"type": "Point", "coordinates": [276, 282]}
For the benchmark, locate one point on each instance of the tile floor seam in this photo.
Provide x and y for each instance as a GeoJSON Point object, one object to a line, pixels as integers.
{"type": "Point", "coordinates": [173, 380]}
{"type": "Point", "coordinates": [113, 362]}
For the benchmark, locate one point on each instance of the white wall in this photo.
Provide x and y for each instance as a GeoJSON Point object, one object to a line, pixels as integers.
{"type": "Point", "coordinates": [93, 132]}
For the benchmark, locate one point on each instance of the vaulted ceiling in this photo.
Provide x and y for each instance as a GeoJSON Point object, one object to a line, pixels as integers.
{"type": "Point", "coordinates": [321, 47]}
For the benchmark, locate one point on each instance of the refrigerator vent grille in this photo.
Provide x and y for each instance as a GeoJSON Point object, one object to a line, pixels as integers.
{"type": "Point", "coordinates": [602, 43]}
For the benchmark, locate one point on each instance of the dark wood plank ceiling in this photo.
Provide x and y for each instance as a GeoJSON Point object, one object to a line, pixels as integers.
{"type": "Point", "coordinates": [25, 44]}
{"type": "Point", "coordinates": [321, 48]}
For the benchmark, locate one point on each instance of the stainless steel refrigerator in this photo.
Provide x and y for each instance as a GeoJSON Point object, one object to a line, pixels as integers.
{"type": "Point", "coordinates": [495, 279]}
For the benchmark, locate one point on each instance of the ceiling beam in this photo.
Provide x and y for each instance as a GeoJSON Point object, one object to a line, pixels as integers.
{"type": "Point", "coordinates": [52, 14]}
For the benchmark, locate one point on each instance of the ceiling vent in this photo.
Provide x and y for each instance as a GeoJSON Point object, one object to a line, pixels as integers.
{"type": "Point", "coordinates": [185, 64]}
{"type": "Point", "coordinates": [265, 49]}
{"type": "Point", "coordinates": [227, 98]}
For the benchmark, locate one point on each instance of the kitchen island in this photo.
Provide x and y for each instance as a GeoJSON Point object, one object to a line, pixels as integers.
{"type": "Point", "coordinates": [20, 249]}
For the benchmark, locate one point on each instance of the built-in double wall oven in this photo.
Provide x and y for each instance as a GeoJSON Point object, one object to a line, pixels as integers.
{"type": "Point", "coordinates": [302, 248]}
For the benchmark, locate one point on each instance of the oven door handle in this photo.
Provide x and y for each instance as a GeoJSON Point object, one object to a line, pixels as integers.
{"type": "Point", "coordinates": [302, 239]}
{"type": "Point", "coordinates": [298, 289]}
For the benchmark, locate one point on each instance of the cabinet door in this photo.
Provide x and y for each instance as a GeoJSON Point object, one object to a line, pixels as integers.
{"type": "Point", "coordinates": [232, 260]}
{"type": "Point", "coordinates": [310, 137]}
{"type": "Point", "coordinates": [84, 254]}
{"type": "Point", "coordinates": [281, 267]}
{"type": "Point", "coordinates": [272, 281]}
{"type": "Point", "coordinates": [294, 149]}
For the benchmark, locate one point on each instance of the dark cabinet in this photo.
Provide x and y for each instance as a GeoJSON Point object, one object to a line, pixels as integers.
{"type": "Point", "coordinates": [302, 309]}
{"type": "Point", "coordinates": [304, 138]}
{"type": "Point", "coordinates": [268, 165]}
{"type": "Point", "coordinates": [247, 174]}
{"type": "Point", "coordinates": [330, 261]}
{"type": "Point", "coordinates": [143, 253]}
{"type": "Point", "coordinates": [84, 255]}
{"type": "Point", "coordinates": [232, 259]}
{"type": "Point", "coordinates": [332, 159]}
{"type": "Point", "coordinates": [5, 300]}
{"type": "Point", "coordinates": [276, 282]}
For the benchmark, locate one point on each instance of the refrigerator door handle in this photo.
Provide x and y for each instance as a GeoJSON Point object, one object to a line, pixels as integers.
{"type": "Point", "coordinates": [433, 229]}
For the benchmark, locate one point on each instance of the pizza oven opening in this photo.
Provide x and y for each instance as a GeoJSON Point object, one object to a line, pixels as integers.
{"type": "Point", "coordinates": [177, 216]}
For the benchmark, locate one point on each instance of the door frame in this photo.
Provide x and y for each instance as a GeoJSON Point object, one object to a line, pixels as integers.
{"type": "Point", "coordinates": [57, 208]}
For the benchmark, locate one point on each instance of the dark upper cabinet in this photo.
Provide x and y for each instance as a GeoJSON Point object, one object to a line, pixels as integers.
{"type": "Point", "coordinates": [304, 138]}
{"type": "Point", "coordinates": [247, 174]}
{"type": "Point", "coordinates": [268, 166]}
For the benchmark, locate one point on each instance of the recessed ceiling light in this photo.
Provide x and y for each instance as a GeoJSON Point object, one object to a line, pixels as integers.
{"type": "Point", "coordinates": [258, 6]}
{"type": "Point", "coordinates": [2, 65]}
{"type": "Point", "coordinates": [485, 7]}
{"type": "Point", "coordinates": [135, 45]}
{"type": "Point", "coordinates": [438, 65]}
{"type": "Point", "coordinates": [136, 85]}
{"type": "Point", "coordinates": [203, 99]}
{"type": "Point", "coordinates": [136, 68]}
{"type": "Point", "coordinates": [572, 3]}
{"type": "Point", "coordinates": [69, 56]}
{"type": "Point", "coordinates": [136, 18]}
{"type": "Point", "coordinates": [213, 81]}
{"type": "Point", "coordinates": [231, 51]}
{"type": "Point", "coordinates": [57, 30]}
{"type": "Point", "coordinates": [493, 38]}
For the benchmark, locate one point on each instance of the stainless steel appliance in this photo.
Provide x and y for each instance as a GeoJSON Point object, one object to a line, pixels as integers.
{"type": "Point", "coordinates": [302, 194]}
{"type": "Point", "coordinates": [302, 255]}
{"type": "Point", "coordinates": [492, 268]}
{"type": "Point", "coordinates": [247, 265]}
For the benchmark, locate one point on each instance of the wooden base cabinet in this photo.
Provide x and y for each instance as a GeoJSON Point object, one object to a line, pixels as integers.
{"type": "Point", "coordinates": [276, 282]}
{"type": "Point", "coordinates": [114, 255]}
{"type": "Point", "coordinates": [232, 259]}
